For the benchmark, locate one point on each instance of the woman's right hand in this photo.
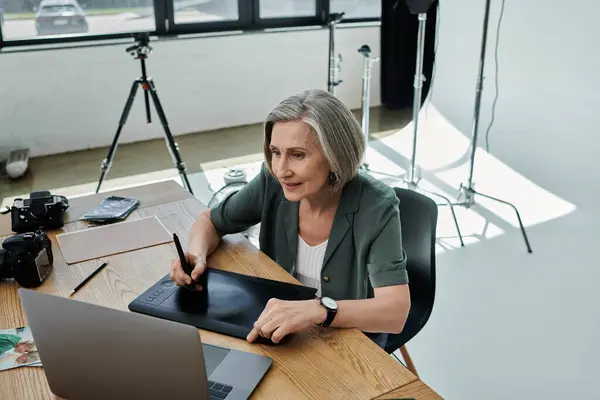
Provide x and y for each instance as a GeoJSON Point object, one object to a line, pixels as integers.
{"type": "Point", "coordinates": [180, 277]}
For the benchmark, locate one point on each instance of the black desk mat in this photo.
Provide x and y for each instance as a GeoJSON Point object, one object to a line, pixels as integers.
{"type": "Point", "coordinates": [229, 303]}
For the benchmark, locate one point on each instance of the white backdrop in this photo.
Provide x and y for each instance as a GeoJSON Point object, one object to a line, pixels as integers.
{"type": "Point", "coordinates": [545, 125]}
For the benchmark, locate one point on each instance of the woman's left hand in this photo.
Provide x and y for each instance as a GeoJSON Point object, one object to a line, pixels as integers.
{"type": "Point", "coordinates": [281, 318]}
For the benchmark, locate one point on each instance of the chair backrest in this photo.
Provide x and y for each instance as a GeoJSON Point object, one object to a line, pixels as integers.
{"type": "Point", "coordinates": [418, 218]}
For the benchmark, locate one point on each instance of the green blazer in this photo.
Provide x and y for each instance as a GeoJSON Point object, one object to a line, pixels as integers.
{"type": "Point", "coordinates": [365, 244]}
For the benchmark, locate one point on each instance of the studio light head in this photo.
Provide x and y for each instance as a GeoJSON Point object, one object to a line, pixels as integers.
{"type": "Point", "coordinates": [365, 50]}
{"type": "Point", "coordinates": [142, 47]}
{"type": "Point", "coordinates": [335, 18]}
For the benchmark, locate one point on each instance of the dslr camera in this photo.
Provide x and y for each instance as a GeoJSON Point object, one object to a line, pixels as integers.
{"type": "Point", "coordinates": [42, 210]}
{"type": "Point", "coordinates": [27, 258]}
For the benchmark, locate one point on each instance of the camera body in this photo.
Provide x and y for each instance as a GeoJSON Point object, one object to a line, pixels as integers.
{"type": "Point", "coordinates": [27, 258]}
{"type": "Point", "coordinates": [42, 210]}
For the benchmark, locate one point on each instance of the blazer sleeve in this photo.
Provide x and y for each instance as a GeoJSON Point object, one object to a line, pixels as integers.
{"type": "Point", "coordinates": [387, 259]}
{"type": "Point", "coordinates": [242, 209]}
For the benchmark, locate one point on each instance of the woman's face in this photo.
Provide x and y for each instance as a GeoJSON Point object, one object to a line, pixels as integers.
{"type": "Point", "coordinates": [297, 160]}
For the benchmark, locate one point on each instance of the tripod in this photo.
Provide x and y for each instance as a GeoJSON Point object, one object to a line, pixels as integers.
{"type": "Point", "coordinates": [334, 61]}
{"type": "Point", "coordinates": [466, 191]}
{"type": "Point", "coordinates": [140, 51]}
{"type": "Point", "coordinates": [412, 178]}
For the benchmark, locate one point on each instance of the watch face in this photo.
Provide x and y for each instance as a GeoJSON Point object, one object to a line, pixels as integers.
{"type": "Point", "coordinates": [329, 303]}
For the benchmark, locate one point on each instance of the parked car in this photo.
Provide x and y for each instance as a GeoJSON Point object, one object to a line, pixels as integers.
{"type": "Point", "coordinates": [60, 17]}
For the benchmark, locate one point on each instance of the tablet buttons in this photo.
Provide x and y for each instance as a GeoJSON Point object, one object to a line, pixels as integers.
{"type": "Point", "coordinates": [154, 295]}
{"type": "Point", "coordinates": [167, 284]}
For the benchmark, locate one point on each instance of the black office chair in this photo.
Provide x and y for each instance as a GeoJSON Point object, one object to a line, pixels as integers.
{"type": "Point", "coordinates": [418, 217]}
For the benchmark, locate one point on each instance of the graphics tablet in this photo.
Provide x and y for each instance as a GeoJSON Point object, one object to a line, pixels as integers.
{"type": "Point", "coordinates": [229, 303]}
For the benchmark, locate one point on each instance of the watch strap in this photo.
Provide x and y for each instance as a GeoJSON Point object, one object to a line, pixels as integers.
{"type": "Point", "coordinates": [331, 313]}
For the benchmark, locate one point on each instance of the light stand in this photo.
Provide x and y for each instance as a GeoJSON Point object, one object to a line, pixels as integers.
{"type": "Point", "coordinates": [412, 178]}
{"type": "Point", "coordinates": [467, 192]}
{"type": "Point", "coordinates": [140, 52]}
{"type": "Point", "coordinates": [334, 61]}
{"type": "Point", "coordinates": [365, 50]}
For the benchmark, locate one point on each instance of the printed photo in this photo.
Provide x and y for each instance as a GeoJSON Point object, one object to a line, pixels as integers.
{"type": "Point", "coordinates": [17, 348]}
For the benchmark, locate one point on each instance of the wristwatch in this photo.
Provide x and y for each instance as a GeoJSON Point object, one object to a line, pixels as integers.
{"type": "Point", "coordinates": [331, 307]}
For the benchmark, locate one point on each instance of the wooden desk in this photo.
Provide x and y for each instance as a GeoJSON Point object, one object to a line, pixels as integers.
{"type": "Point", "coordinates": [341, 364]}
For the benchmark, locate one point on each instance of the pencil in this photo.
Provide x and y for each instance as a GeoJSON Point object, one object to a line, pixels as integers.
{"type": "Point", "coordinates": [88, 278]}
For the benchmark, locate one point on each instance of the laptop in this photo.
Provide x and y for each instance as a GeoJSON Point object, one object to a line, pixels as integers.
{"type": "Point", "coordinates": [94, 352]}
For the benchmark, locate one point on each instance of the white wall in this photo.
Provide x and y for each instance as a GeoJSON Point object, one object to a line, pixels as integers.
{"type": "Point", "coordinates": [546, 124]}
{"type": "Point", "coordinates": [70, 99]}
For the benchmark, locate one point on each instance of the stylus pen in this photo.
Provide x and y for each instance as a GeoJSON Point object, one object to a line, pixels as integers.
{"type": "Point", "coordinates": [184, 263]}
{"type": "Point", "coordinates": [88, 278]}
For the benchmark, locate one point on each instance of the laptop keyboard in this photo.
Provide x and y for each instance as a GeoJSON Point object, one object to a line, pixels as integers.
{"type": "Point", "coordinates": [218, 391]}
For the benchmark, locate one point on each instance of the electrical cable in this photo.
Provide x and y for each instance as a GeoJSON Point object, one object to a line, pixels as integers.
{"type": "Point", "coordinates": [214, 197]}
{"type": "Point", "coordinates": [487, 132]}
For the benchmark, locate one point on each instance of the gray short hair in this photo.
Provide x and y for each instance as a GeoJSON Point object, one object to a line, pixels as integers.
{"type": "Point", "coordinates": [338, 132]}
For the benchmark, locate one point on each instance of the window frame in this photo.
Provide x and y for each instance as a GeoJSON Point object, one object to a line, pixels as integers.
{"type": "Point", "coordinates": [164, 16]}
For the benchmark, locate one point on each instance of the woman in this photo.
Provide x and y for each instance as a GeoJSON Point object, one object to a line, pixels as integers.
{"type": "Point", "coordinates": [331, 227]}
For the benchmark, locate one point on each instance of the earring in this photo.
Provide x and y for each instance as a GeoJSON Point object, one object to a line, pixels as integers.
{"type": "Point", "coordinates": [332, 177]}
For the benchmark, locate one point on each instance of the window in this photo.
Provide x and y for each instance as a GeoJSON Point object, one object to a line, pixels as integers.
{"type": "Point", "coordinates": [191, 11]}
{"type": "Point", "coordinates": [356, 9]}
{"type": "Point", "coordinates": [56, 18]}
{"type": "Point", "coordinates": [287, 8]}
{"type": "Point", "coordinates": [25, 22]}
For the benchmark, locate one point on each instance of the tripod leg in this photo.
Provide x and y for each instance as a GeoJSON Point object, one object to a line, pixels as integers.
{"type": "Point", "coordinates": [449, 203]}
{"type": "Point", "coordinates": [147, 106]}
{"type": "Point", "coordinates": [172, 146]}
{"type": "Point", "coordinates": [107, 162]}
{"type": "Point", "coordinates": [516, 212]}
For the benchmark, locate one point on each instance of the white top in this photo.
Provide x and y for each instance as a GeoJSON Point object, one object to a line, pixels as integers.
{"type": "Point", "coordinates": [309, 263]}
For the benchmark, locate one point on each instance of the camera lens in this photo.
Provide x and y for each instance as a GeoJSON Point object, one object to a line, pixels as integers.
{"type": "Point", "coordinates": [38, 209]}
{"type": "Point", "coordinates": [5, 270]}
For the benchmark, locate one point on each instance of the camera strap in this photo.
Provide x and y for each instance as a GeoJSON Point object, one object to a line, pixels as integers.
{"type": "Point", "coordinates": [5, 210]}
{"type": "Point", "coordinates": [64, 201]}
